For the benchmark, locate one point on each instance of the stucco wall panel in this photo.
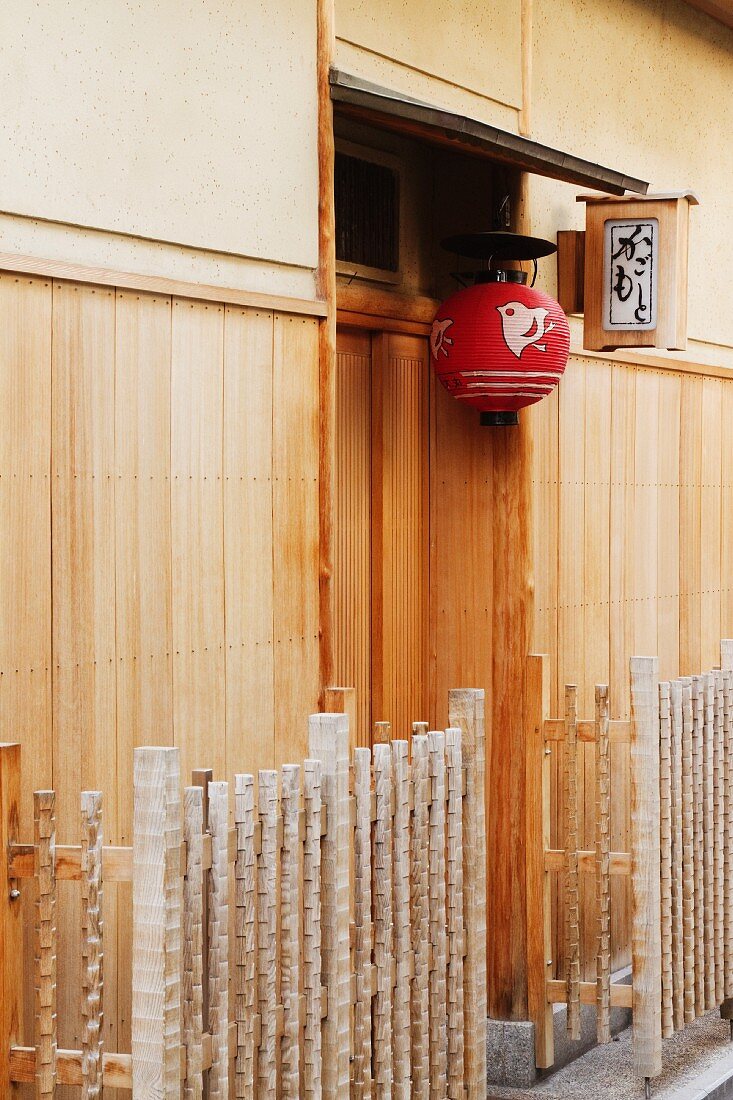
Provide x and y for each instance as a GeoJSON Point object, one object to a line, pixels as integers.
{"type": "Point", "coordinates": [644, 87]}
{"type": "Point", "coordinates": [194, 123]}
{"type": "Point", "coordinates": [474, 45]}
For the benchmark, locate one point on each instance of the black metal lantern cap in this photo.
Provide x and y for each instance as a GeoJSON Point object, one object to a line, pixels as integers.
{"type": "Point", "coordinates": [498, 244]}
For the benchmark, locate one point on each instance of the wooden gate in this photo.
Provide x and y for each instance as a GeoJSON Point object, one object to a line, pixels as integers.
{"type": "Point", "coordinates": [349, 958]}
{"type": "Point", "coordinates": [680, 862]}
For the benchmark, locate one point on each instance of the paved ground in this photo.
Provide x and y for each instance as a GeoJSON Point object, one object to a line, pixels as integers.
{"type": "Point", "coordinates": [696, 1062]}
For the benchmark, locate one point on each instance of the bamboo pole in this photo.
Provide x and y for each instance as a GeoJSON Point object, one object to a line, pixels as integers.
{"type": "Point", "coordinates": [572, 881]}
{"type": "Point", "coordinates": [438, 1019]}
{"type": "Point", "coordinates": [401, 922]}
{"type": "Point", "coordinates": [92, 896]}
{"type": "Point", "coordinates": [219, 940]}
{"type": "Point", "coordinates": [363, 924]}
{"type": "Point", "coordinates": [245, 934]}
{"type": "Point", "coordinates": [708, 810]}
{"type": "Point", "coordinates": [383, 934]}
{"type": "Point", "coordinates": [312, 930]}
{"type": "Point", "coordinates": [290, 934]}
{"type": "Point", "coordinates": [420, 919]}
{"type": "Point", "coordinates": [329, 743]}
{"type": "Point", "coordinates": [44, 803]}
{"type": "Point", "coordinates": [665, 835]}
{"type": "Point", "coordinates": [193, 950]}
{"type": "Point", "coordinates": [454, 911]}
{"type": "Point", "coordinates": [645, 844]}
{"type": "Point", "coordinates": [466, 712]}
{"type": "Point", "coordinates": [11, 928]}
{"type": "Point", "coordinates": [678, 970]}
{"type": "Point", "coordinates": [688, 850]}
{"type": "Point", "coordinates": [603, 867]}
{"type": "Point", "coordinates": [719, 836]}
{"type": "Point", "coordinates": [698, 712]}
{"type": "Point", "coordinates": [726, 1009]}
{"type": "Point", "coordinates": [267, 933]}
{"type": "Point", "coordinates": [156, 925]}
{"type": "Point", "coordinates": [539, 882]}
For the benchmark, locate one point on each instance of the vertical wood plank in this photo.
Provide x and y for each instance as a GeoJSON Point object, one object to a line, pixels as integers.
{"type": "Point", "coordinates": [44, 871]}
{"type": "Point", "coordinates": [454, 911]}
{"type": "Point", "coordinates": [156, 928]}
{"type": "Point", "coordinates": [352, 525]}
{"type": "Point", "coordinates": [668, 504]}
{"type": "Point", "coordinates": [290, 933]}
{"type": "Point", "coordinates": [197, 534]}
{"type": "Point", "coordinates": [11, 929]}
{"type": "Point", "coordinates": [603, 868]}
{"type": "Point", "coordinates": [572, 878]}
{"type": "Point", "coordinates": [420, 918]}
{"type": "Point", "coordinates": [400, 534]}
{"type": "Point", "coordinates": [83, 582]}
{"type": "Point", "coordinates": [312, 929]}
{"type": "Point", "coordinates": [645, 877]}
{"type": "Point", "coordinates": [710, 494]}
{"type": "Point", "coordinates": [466, 712]}
{"type": "Point", "coordinates": [329, 743]}
{"type": "Point", "coordinates": [267, 933]}
{"type": "Point", "coordinates": [25, 547]}
{"type": "Point", "coordinates": [248, 538]}
{"type": "Point", "coordinates": [142, 544]}
{"type": "Point", "coordinates": [363, 923]}
{"type": "Point", "coordinates": [401, 944]}
{"type": "Point", "coordinates": [383, 924]}
{"type": "Point", "coordinates": [436, 877]}
{"type": "Point", "coordinates": [193, 959]}
{"type": "Point", "coordinates": [92, 951]}
{"type": "Point", "coordinates": [295, 531]}
{"type": "Point", "coordinates": [245, 975]}
{"type": "Point", "coordinates": [690, 526]}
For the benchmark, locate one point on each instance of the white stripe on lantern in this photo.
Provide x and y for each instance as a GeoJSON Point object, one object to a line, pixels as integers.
{"type": "Point", "coordinates": [544, 386]}
{"type": "Point", "coordinates": [508, 394]}
{"type": "Point", "coordinates": [549, 373]}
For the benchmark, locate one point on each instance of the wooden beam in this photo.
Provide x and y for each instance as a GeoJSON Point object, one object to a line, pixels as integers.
{"type": "Point", "coordinates": [621, 995]}
{"type": "Point", "coordinates": [155, 284]}
{"type": "Point", "coordinates": [619, 731]}
{"type": "Point", "coordinates": [620, 861]}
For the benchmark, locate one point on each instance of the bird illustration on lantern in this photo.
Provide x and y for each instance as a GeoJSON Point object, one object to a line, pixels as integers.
{"type": "Point", "coordinates": [499, 345]}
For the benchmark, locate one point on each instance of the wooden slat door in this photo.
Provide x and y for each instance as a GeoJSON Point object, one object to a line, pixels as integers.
{"type": "Point", "coordinates": [381, 549]}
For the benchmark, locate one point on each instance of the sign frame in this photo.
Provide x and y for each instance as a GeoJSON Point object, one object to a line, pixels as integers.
{"type": "Point", "coordinates": [671, 213]}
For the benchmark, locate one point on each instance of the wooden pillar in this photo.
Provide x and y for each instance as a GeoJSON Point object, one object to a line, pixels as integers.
{"type": "Point", "coordinates": [11, 928]}
{"type": "Point", "coordinates": [326, 290]}
{"type": "Point", "coordinates": [507, 749]}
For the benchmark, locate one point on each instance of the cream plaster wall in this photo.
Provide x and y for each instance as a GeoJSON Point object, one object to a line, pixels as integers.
{"type": "Point", "coordinates": [184, 121]}
{"type": "Point", "coordinates": [462, 56]}
{"type": "Point", "coordinates": [646, 87]}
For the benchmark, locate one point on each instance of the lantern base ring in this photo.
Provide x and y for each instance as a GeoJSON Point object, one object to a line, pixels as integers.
{"type": "Point", "coordinates": [499, 419]}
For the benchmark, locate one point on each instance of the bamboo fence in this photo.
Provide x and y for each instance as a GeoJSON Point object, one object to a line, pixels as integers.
{"type": "Point", "coordinates": [680, 861]}
{"type": "Point", "coordinates": [330, 943]}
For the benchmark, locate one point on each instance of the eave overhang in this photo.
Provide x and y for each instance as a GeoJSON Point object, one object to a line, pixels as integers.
{"type": "Point", "coordinates": [389, 110]}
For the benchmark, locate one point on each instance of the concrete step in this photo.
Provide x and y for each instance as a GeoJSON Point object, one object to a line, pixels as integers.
{"type": "Point", "coordinates": [698, 1064]}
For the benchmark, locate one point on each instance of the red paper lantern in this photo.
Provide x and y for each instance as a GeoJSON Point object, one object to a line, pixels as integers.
{"type": "Point", "coordinates": [499, 346]}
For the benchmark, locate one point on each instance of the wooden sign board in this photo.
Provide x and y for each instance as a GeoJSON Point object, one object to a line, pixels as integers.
{"type": "Point", "coordinates": [636, 271]}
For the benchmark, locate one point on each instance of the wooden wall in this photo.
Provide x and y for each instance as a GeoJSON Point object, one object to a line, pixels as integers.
{"type": "Point", "coordinates": [633, 549]}
{"type": "Point", "coordinates": [158, 554]}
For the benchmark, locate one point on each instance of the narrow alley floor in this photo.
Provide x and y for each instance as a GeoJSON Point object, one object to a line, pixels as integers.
{"type": "Point", "coordinates": [698, 1063]}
